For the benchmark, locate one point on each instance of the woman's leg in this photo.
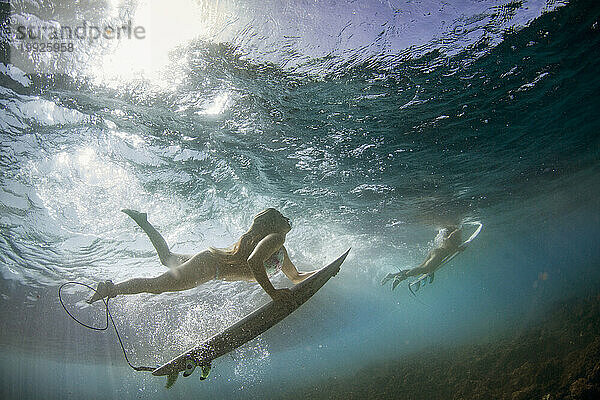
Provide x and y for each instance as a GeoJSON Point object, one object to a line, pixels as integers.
{"type": "Point", "coordinates": [423, 268]}
{"type": "Point", "coordinates": [166, 282]}
{"type": "Point", "coordinates": [167, 258]}
{"type": "Point", "coordinates": [196, 271]}
{"type": "Point", "coordinates": [432, 261]}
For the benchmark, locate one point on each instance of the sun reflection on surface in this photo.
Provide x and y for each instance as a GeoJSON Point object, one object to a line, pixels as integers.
{"type": "Point", "coordinates": [165, 26]}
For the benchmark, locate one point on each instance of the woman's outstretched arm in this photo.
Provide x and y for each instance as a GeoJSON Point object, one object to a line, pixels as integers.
{"type": "Point", "coordinates": [290, 270]}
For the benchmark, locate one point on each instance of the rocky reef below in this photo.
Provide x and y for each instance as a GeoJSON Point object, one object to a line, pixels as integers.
{"type": "Point", "coordinates": [557, 357]}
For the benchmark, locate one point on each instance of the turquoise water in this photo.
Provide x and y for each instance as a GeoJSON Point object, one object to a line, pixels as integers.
{"type": "Point", "coordinates": [370, 126]}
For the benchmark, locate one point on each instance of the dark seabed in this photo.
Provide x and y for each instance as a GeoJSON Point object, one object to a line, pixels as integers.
{"type": "Point", "coordinates": [371, 125]}
{"type": "Point", "coordinates": [557, 357]}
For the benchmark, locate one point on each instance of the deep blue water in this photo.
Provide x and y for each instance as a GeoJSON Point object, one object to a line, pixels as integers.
{"type": "Point", "coordinates": [370, 125]}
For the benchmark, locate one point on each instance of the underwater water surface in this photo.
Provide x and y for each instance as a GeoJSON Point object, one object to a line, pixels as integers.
{"type": "Point", "coordinates": [371, 125]}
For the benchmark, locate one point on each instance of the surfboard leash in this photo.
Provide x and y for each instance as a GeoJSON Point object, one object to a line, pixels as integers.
{"type": "Point", "coordinates": [109, 317]}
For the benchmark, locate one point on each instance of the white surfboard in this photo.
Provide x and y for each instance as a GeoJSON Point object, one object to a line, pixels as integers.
{"type": "Point", "coordinates": [247, 328]}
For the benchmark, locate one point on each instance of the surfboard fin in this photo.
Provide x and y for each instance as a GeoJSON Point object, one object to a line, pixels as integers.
{"type": "Point", "coordinates": [190, 366]}
{"type": "Point", "coordinates": [431, 277]}
{"type": "Point", "coordinates": [205, 371]}
{"type": "Point", "coordinates": [171, 379]}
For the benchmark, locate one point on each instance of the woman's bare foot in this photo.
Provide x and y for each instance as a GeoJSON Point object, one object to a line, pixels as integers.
{"type": "Point", "coordinates": [138, 217]}
{"type": "Point", "coordinates": [105, 289]}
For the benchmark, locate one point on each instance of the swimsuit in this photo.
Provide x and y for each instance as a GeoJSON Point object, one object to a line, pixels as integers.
{"type": "Point", "coordinates": [272, 264]}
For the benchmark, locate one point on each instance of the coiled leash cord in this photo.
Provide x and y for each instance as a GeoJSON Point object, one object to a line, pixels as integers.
{"type": "Point", "coordinates": [108, 317]}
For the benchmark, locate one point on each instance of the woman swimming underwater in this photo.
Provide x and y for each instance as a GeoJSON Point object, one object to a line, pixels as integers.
{"type": "Point", "coordinates": [258, 254]}
{"type": "Point", "coordinates": [451, 242]}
